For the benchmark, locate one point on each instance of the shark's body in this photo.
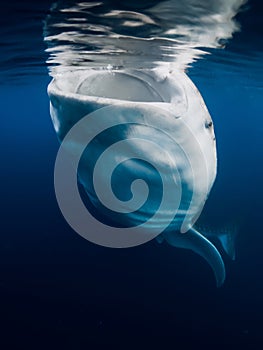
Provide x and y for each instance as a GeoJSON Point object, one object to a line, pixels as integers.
{"type": "Point", "coordinates": [163, 104]}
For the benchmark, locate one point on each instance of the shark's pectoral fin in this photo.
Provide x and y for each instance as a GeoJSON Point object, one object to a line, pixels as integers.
{"type": "Point", "coordinates": [199, 244]}
{"type": "Point", "coordinates": [228, 241]}
{"type": "Point", "coordinates": [226, 237]}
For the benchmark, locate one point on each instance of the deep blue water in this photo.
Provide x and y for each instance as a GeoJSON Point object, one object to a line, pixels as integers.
{"type": "Point", "coordinates": [58, 290]}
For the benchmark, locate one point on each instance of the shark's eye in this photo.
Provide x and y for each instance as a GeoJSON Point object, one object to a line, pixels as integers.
{"type": "Point", "coordinates": [208, 124]}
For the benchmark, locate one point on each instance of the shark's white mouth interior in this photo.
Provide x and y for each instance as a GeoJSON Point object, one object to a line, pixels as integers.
{"type": "Point", "coordinates": [119, 85]}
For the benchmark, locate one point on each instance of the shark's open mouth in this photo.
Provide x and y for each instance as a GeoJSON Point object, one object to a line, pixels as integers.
{"type": "Point", "coordinates": [119, 85]}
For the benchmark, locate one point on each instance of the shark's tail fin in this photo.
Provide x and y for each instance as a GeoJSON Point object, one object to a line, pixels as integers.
{"type": "Point", "coordinates": [226, 236]}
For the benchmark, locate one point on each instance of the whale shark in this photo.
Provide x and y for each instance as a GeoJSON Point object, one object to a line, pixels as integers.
{"type": "Point", "coordinates": [119, 81]}
{"type": "Point", "coordinates": [167, 109]}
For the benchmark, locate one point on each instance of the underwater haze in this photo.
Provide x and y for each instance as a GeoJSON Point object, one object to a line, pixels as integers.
{"type": "Point", "coordinates": [59, 290]}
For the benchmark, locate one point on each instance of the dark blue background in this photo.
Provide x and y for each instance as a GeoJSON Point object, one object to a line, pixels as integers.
{"type": "Point", "coordinates": [58, 290]}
